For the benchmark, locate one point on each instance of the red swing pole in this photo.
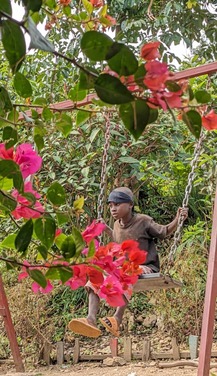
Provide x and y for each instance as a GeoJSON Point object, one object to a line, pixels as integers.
{"type": "Point", "coordinates": [5, 313]}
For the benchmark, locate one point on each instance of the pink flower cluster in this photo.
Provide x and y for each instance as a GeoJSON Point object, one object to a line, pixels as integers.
{"type": "Point", "coordinates": [112, 270]}
{"type": "Point", "coordinates": [29, 162]}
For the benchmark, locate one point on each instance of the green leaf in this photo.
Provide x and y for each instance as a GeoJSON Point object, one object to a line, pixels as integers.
{"type": "Point", "coordinates": [56, 194]}
{"type": "Point", "coordinates": [153, 115]}
{"type": "Point", "coordinates": [172, 86]}
{"type": "Point", "coordinates": [87, 6]}
{"type": "Point", "coordinates": [37, 40]}
{"type": "Point", "coordinates": [10, 135]}
{"type": "Point", "coordinates": [5, 6]}
{"type": "Point", "coordinates": [121, 59]}
{"type": "Point", "coordinates": [62, 218]}
{"type": "Point", "coordinates": [39, 141]}
{"type": "Point", "coordinates": [129, 160]}
{"type": "Point", "coordinates": [43, 251]}
{"type": "Point", "coordinates": [111, 90]}
{"type": "Point", "coordinates": [30, 197]}
{"type": "Point", "coordinates": [45, 228]}
{"type": "Point", "coordinates": [24, 236]}
{"type": "Point", "coordinates": [82, 117]}
{"type": "Point", "coordinates": [59, 240]}
{"type": "Point", "coordinates": [6, 184]}
{"type": "Point", "coordinates": [68, 247]}
{"type": "Point", "coordinates": [140, 74]}
{"type": "Point", "coordinates": [47, 114]}
{"type": "Point", "coordinates": [5, 101]}
{"type": "Point", "coordinates": [95, 45]}
{"type": "Point", "coordinates": [194, 122]}
{"type": "Point", "coordinates": [64, 125]}
{"type": "Point", "coordinates": [79, 241]}
{"type": "Point", "coordinates": [7, 202]}
{"type": "Point", "coordinates": [22, 85]}
{"type": "Point", "coordinates": [14, 44]}
{"type": "Point", "coordinates": [91, 249]}
{"type": "Point", "coordinates": [62, 272]}
{"type": "Point", "coordinates": [77, 95]}
{"type": "Point", "coordinates": [34, 5]}
{"type": "Point", "coordinates": [135, 116]}
{"type": "Point", "coordinates": [9, 242]}
{"type": "Point", "coordinates": [202, 96]}
{"type": "Point", "coordinates": [9, 169]}
{"type": "Point", "coordinates": [86, 81]}
{"type": "Point", "coordinates": [38, 277]}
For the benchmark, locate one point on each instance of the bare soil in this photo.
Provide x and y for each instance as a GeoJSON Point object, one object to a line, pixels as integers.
{"type": "Point", "coordinates": [98, 369]}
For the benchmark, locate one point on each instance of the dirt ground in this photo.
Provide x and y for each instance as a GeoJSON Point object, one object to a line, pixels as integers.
{"type": "Point", "coordinates": [98, 369]}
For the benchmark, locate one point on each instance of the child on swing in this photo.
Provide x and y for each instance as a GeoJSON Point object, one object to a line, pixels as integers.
{"type": "Point", "coordinates": [128, 225]}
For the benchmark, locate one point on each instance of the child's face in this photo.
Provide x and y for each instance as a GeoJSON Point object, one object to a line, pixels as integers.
{"type": "Point", "coordinates": [122, 210]}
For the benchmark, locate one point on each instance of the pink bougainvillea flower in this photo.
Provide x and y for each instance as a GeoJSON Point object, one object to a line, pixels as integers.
{"type": "Point", "coordinates": [95, 276]}
{"type": "Point", "coordinates": [97, 3]}
{"type": "Point", "coordinates": [95, 229]}
{"type": "Point", "coordinates": [79, 277]}
{"type": "Point", "coordinates": [24, 207]}
{"type": "Point", "coordinates": [149, 51]}
{"type": "Point", "coordinates": [58, 232]}
{"type": "Point", "coordinates": [37, 288]}
{"type": "Point", "coordinates": [112, 21]}
{"type": "Point", "coordinates": [209, 121]}
{"type": "Point", "coordinates": [166, 99]}
{"type": "Point", "coordinates": [157, 74]}
{"type": "Point", "coordinates": [6, 153]}
{"type": "Point", "coordinates": [28, 160]}
{"type": "Point", "coordinates": [129, 81]}
{"type": "Point", "coordinates": [112, 291]}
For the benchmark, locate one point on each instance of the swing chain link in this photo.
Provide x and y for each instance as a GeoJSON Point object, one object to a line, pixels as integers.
{"type": "Point", "coordinates": [191, 176]}
{"type": "Point", "coordinates": [101, 197]}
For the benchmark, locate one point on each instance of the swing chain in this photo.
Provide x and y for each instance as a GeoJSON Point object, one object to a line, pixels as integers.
{"type": "Point", "coordinates": [191, 176]}
{"type": "Point", "coordinates": [104, 167]}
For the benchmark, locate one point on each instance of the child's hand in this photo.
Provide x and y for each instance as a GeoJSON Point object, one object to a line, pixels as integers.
{"type": "Point", "coordinates": [183, 212]}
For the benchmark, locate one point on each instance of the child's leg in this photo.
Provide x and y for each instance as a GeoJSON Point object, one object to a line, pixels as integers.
{"type": "Point", "coordinates": [119, 313]}
{"type": "Point", "coordinates": [93, 306]}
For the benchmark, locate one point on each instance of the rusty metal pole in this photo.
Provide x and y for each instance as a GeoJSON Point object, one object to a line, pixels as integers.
{"type": "Point", "coordinates": [5, 313]}
{"type": "Point", "coordinates": [210, 302]}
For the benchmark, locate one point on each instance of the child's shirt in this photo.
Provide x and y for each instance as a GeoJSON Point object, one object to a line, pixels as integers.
{"type": "Point", "coordinates": [144, 230]}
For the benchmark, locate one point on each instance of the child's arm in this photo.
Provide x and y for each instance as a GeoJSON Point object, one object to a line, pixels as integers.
{"type": "Point", "coordinates": [108, 229]}
{"type": "Point", "coordinates": [172, 226]}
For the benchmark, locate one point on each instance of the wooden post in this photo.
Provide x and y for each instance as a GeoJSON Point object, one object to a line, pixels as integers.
{"type": "Point", "coordinates": [113, 343]}
{"type": "Point", "coordinates": [146, 350]}
{"type": "Point", "coordinates": [5, 313]}
{"type": "Point", "coordinates": [175, 348]}
{"type": "Point", "coordinates": [210, 302]}
{"type": "Point", "coordinates": [46, 352]}
{"type": "Point", "coordinates": [193, 346]}
{"type": "Point", "coordinates": [127, 349]}
{"type": "Point", "coordinates": [76, 352]}
{"type": "Point", "coordinates": [60, 352]}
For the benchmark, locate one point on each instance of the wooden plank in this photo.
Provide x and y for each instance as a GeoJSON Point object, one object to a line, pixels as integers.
{"type": "Point", "coordinates": [209, 68]}
{"type": "Point", "coordinates": [11, 334]}
{"type": "Point", "coordinates": [193, 346]}
{"type": "Point", "coordinates": [127, 349]}
{"type": "Point", "coordinates": [210, 301]}
{"type": "Point", "coordinates": [46, 352]}
{"type": "Point", "coordinates": [113, 343]}
{"type": "Point", "coordinates": [60, 352]}
{"type": "Point", "coordinates": [146, 350]}
{"type": "Point", "coordinates": [94, 357]}
{"type": "Point", "coordinates": [156, 281]}
{"type": "Point", "coordinates": [76, 352]}
{"type": "Point", "coordinates": [175, 349]}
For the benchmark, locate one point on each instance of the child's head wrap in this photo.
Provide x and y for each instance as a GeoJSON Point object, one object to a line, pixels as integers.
{"type": "Point", "coordinates": [121, 195]}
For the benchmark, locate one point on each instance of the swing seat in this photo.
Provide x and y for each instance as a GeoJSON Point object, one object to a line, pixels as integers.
{"type": "Point", "coordinates": [156, 281]}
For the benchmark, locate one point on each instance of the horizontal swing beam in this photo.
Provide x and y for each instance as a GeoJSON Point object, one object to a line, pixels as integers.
{"type": "Point", "coordinates": [209, 68]}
